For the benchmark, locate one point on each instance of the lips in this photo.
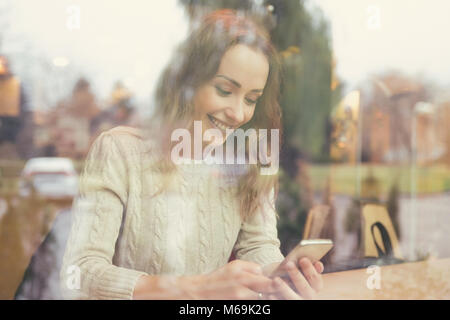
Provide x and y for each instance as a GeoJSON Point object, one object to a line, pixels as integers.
{"type": "Point", "coordinates": [220, 125]}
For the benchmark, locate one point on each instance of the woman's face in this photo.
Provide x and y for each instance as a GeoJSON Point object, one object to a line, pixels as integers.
{"type": "Point", "coordinates": [229, 99]}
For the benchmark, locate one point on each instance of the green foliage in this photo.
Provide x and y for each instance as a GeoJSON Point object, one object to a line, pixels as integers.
{"type": "Point", "coordinates": [306, 101]}
{"type": "Point", "coordinates": [292, 212]}
{"type": "Point", "coordinates": [306, 97]}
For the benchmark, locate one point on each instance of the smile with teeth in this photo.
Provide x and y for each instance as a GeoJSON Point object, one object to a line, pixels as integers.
{"type": "Point", "coordinates": [219, 124]}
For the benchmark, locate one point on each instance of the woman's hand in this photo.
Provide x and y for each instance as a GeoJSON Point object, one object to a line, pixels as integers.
{"type": "Point", "coordinates": [236, 280]}
{"type": "Point", "coordinates": [306, 279]}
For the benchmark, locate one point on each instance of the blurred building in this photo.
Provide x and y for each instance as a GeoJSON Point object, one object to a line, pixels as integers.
{"type": "Point", "coordinates": [69, 129]}
{"type": "Point", "coordinates": [120, 111]}
{"type": "Point", "coordinates": [345, 121]}
{"type": "Point", "coordinates": [443, 128]}
{"type": "Point", "coordinates": [65, 130]}
{"type": "Point", "coordinates": [389, 117]}
{"type": "Point", "coordinates": [379, 127]}
{"type": "Point", "coordinates": [15, 142]}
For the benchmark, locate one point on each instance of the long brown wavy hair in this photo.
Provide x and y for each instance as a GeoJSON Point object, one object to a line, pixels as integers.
{"type": "Point", "coordinates": [196, 62]}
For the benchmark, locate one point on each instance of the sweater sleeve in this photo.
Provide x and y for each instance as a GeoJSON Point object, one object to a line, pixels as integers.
{"type": "Point", "coordinates": [258, 239]}
{"type": "Point", "coordinates": [87, 271]}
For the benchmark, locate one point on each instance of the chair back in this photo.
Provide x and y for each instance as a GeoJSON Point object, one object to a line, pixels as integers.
{"type": "Point", "coordinates": [316, 221]}
{"type": "Point", "coordinates": [379, 236]}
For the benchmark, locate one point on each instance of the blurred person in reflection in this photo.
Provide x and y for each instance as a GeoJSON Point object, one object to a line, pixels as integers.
{"type": "Point", "coordinates": [120, 112]}
{"type": "Point", "coordinates": [145, 227]}
{"type": "Point", "coordinates": [72, 118]}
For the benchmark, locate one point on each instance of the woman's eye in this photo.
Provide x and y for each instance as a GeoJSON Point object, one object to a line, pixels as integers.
{"type": "Point", "coordinates": [250, 101]}
{"type": "Point", "coordinates": [222, 92]}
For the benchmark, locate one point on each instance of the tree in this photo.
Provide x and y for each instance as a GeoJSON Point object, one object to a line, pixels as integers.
{"type": "Point", "coordinates": [306, 99]}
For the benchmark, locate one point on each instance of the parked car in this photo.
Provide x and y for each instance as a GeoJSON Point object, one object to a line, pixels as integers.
{"type": "Point", "coordinates": [51, 178]}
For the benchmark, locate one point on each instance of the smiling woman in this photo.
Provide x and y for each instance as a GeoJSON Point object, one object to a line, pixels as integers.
{"type": "Point", "coordinates": [225, 63]}
{"type": "Point", "coordinates": [229, 99]}
{"type": "Point", "coordinates": [145, 227]}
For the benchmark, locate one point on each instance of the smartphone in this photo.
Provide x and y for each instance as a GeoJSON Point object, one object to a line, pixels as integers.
{"type": "Point", "coordinates": [314, 249]}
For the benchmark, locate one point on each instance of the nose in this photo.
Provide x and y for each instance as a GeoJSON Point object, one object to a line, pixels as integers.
{"type": "Point", "coordinates": [235, 114]}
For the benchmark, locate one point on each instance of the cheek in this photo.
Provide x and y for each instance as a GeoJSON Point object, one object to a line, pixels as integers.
{"type": "Point", "coordinates": [207, 101]}
{"type": "Point", "coordinates": [249, 115]}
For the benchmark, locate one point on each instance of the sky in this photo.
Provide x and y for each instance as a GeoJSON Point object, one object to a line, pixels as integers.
{"type": "Point", "coordinates": [116, 40]}
{"type": "Point", "coordinates": [370, 36]}
{"type": "Point", "coordinates": [133, 40]}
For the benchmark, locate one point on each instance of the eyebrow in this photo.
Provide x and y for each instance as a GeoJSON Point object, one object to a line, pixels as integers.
{"type": "Point", "coordinates": [237, 84]}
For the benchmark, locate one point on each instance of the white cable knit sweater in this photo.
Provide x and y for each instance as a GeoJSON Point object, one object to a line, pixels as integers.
{"type": "Point", "coordinates": [120, 232]}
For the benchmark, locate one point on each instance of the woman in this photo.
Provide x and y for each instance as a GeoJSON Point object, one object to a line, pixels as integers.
{"type": "Point", "coordinates": [148, 227]}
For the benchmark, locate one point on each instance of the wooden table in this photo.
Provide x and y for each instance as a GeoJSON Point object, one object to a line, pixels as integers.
{"type": "Point", "coordinates": [428, 279]}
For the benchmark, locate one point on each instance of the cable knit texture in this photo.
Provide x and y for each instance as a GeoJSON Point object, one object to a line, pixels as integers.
{"type": "Point", "coordinates": [123, 228]}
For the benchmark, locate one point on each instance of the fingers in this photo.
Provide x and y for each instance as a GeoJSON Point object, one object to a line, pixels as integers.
{"type": "Point", "coordinates": [319, 266]}
{"type": "Point", "coordinates": [243, 293]}
{"type": "Point", "coordinates": [285, 291]}
{"type": "Point", "coordinates": [241, 265]}
{"type": "Point", "coordinates": [303, 286]}
{"type": "Point", "coordinates": [228, 289]}
{"type": "Point", "coordinates": [272, 296]}
{"type": "Point", "coordinates": [249, 275]}
{"type": "Point", "coordinates": [257, 283]}
{"type": "Point", "coordinates": [307, 282]}
{"type": "Point", "coordinates": [311, 274]}
{"type": "Point", "coordinates": [268, 269]}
